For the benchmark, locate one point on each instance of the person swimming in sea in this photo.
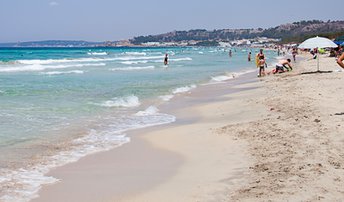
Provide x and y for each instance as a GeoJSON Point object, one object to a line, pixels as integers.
{"type": "Point", "coordinates": [166, 59]}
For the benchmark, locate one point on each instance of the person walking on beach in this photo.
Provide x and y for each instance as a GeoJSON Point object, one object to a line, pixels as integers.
{"type": "Point", "coordinates": [261, 65]}
{"type": "Point", "coordinates": [260, 62]}
{"type": "Point", "coordinates": [166, 59]}
{"type": "Point", "coordinates": [340, 60]}
{"type": "Point", "coordinates": [249, 56]}
{"type": "Point", "coordinates": [294, 53]}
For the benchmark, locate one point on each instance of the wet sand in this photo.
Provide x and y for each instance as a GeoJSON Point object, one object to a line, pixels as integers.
{"type": "Point", "coordinates": [277, 138]}
{"type": "Point", "coordinates": [183, 161]}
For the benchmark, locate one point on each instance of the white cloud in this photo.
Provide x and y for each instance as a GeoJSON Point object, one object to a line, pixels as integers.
{"type": "Point", "coordinates": [53, 3]}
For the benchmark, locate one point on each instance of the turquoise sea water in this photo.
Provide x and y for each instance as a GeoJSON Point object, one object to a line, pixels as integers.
{"type": "Point", "coordinates": [57, 104]}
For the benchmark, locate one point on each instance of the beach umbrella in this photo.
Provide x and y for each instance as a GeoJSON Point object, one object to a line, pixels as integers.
{"type": "Point", "coordinates": [317, 42]}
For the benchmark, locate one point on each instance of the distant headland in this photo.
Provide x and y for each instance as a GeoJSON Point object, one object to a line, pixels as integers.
{"type": "Point", "coordinates": [286, 33]}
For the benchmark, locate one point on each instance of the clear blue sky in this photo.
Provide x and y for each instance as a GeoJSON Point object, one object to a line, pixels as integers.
{"type": "Point", "coordinates": [99, 20]}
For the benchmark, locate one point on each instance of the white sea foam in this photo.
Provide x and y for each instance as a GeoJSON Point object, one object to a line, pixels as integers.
{"type": "Point", "coordinates": [54, 61]}
{"type": "Point", "coordinates": [135, 53]}
{"type": "Point", "coordinates": [171, 53]}
{"type": "Point", "coordinates": [152, 117]}
{"type": "Point", "coordinates": [129, 101]}
{"type": "Point", "coordinates": [134, 58]}
{"type": "Point", "coordinates": [45, 62]}
{"type": "Point", "coordinates": [181, 59]}
{"type": "Point", "coordinates": [134, 62]}
{"type": "Point", "coordinates": [156, 53]}
{"type": "Point", "coordinates": [66, 72]}
{"type": "Point", "coordinates": [279, 57]}
{"type": "Point", "coordinates": [97, 53]}
{"type": "Point", "coordinates": [229, 76]}
{"type": "Point", "coordinates": [132, 68]}
{"type": "Point", "coordinates": [78, 60]}
{"type": "Point", "coordinates": [29, 182]}
{"type": "Point", "coordinates": [39, 67]}
{"type": "Point", "coordinates": [22, 185]}
{"type": "Point", "coordinates": [166, 97]}
{"type": "Point", "coordinates": [173, 59]}
{"type": "Point", "coordinates": [222, 78]}
{"type": "Point", "coordinates": [139, 58]}
{"type": "Point", "coordinates": [157, 61]}
{"type": "Point", "coordinates": [151, 110]}
{"type": "Point", "coordinates": [183, 89]}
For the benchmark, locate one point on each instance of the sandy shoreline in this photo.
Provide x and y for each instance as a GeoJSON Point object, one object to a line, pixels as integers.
{"type": "Point", "coordinates": [173, 162]}
{"type": "Point", "coordinates": [276, 138]}
{"type": "Point", "coordinates": [297, 148]}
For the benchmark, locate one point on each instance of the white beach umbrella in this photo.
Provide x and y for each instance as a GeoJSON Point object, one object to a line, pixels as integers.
{"type": "Point", "coordinates": [317, 42]}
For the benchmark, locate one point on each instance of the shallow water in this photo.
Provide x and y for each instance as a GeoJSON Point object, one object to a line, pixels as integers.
{"type": "Point", "coordinates": [57, 105]}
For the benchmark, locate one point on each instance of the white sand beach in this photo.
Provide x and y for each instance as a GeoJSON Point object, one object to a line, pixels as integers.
{"type": "Point", "coordinates": [277, 138]}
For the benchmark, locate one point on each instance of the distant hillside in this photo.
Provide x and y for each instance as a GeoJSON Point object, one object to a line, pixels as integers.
{"type": "Point", "coordinates": [292, 32]}
{"type": "Point", "coordinates": [51, 43]}
{"type": "Point", "coordinates": [299, 31]}
{"type": "Point", "coordinates": [295, 32]}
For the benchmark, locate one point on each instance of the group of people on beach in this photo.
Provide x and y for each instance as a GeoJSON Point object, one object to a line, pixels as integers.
{"type": "Point", "coordinates": [281, 66]}
{"type": "Point", "coordinates": [285, 64]}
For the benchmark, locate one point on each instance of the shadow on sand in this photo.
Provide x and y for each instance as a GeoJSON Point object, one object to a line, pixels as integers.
{"type": "Point", "coordinates": [317, 72]}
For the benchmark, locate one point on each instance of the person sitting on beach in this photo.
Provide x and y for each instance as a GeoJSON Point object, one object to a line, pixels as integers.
{"type": "Point", "coordinates": [166, 59]}
{"type": "Point", "coordinates": [283, 64]}
{"type": "Point", "coordinates": [340, 60]}
{"type": "Point", "coordinates": [313, 54]}
{"type": "Point", "coordinates": [333, 52]}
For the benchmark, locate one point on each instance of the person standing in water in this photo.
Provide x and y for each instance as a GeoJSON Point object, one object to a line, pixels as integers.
{"type": "Point", "coordinates": [166, 59]}
{"type": "Point", "coordinates": [249, 56]}
{"type": "Point", "coordinates": [230, 53]}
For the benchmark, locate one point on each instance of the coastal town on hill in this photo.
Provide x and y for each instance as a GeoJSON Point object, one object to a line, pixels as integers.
{"type": "Point", "coordinates": [291, 33]}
